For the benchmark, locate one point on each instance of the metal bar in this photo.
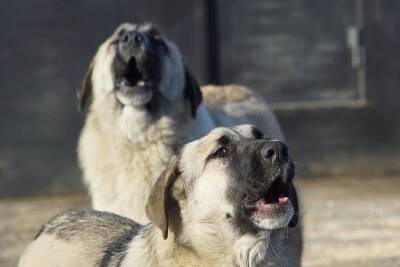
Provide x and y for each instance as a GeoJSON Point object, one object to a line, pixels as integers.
{"type": "Point", "coordinates": [212, 42]}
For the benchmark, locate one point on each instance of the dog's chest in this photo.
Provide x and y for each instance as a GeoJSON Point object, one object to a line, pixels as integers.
{"type": "Point", "coordinates": [132, 167]}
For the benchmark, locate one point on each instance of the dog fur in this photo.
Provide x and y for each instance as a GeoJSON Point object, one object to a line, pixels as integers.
{"type": "Point", "coordinates": [126, 142]}
{"type": "Point", "coordinates": [203, 212]}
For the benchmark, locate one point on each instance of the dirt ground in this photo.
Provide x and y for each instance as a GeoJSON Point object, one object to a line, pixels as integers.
{"type": "Point", "coordinates": [347, 221]}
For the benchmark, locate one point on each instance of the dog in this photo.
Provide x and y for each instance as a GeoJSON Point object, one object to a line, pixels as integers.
{"type": "Point", "coordinates": [143, 104]}
{"type": "Point", "coordinates": [226, 199]}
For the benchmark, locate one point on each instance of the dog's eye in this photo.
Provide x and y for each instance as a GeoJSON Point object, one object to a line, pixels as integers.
{"type": "Point", "coordinates": [220, 152]}
{"type": "Point", "coordinates": [121, 32]}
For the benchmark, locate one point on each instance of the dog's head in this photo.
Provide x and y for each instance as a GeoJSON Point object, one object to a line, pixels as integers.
{"type": "Point", "coordinates": [139, 68]}
{"type": "Point", "coordinates": [235, 179]}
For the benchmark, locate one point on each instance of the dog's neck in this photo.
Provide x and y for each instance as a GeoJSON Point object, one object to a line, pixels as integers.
{"type": "Point", "coordinates": [150, 249]}
{"type": "Point", "coordinates": [137, 126]}
{"type": "Point", "coordinates": [132, 152]}
{"type": "Point", "coordinates": [138, 129]}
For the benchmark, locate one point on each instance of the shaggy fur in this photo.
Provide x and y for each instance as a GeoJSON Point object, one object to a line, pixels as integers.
{"type": "Point", "coordinates": [201, 209]}
{"type": "Point", "coordinates": [126, 142]}
{"type": "Point", "coordinates": [123, 148]}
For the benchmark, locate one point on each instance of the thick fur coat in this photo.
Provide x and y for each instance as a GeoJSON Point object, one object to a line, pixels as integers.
{"type": "Point", "coordinates": [143, 105]}
{"type": "Point", "coordinates": [225, 200]}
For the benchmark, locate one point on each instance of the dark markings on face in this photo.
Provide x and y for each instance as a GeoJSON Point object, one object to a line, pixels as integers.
{"type": "Point", "coordinates": [245, 172]}
{"type": "Point", "coordinates": [257, 133]}
{"type": "Point", "coordinates": [155, 34]}
{"type": "Point", "coordinates": [222, 149]}
{"type": "Point", "coordinates": [223, 140]}
{"type": "Point", "coordinates": [140, 61]}
{"type": "Point", "coordinates": [250, 175]}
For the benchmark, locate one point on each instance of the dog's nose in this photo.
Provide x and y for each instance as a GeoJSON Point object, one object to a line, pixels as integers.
{"type": "Point", "coordinates": [275, 151]}
{"type": "Point", "coordinates": [134, 37]}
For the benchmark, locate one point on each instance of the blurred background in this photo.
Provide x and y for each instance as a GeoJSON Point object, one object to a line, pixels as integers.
{"type": "Point", "coordinates": [329, 69]}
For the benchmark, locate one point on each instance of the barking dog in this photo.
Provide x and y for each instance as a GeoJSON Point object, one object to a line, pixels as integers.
{"type": "Point", "coordinates": [143, 105]}
{"type": "Point", "coordinates": [224, 200]}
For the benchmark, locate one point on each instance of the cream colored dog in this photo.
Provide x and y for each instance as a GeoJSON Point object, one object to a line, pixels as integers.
{"type": "Point", "coordinates": [144, 106]}
{"type": "Point", "coordinates": [225, 200]}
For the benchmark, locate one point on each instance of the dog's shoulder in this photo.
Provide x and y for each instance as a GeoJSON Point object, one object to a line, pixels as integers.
{"type": "Point", "coordinates": [216, 95]}
{"type": "Point", "coordinates": [92, 238]}
{"type": "Point", "coordinates": [76, 223]}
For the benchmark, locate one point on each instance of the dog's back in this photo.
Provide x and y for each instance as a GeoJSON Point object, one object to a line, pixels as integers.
{"type": "Point", "coordinates": [98, 238]}
{"type": "Point", "coordinates": [235, 104]}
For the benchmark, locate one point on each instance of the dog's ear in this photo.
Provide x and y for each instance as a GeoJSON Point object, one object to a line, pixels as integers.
{"type": "Point", "coordinates": [160, 203]}
{"type": "Point", "coordinates": [192, 92]}
{"type": "Point", "coordinates": [295, 203]}
{"type": "Point", "coordinates": [85, 89]}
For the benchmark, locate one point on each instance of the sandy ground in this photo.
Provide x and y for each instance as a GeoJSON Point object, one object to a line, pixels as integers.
{"type": "Point", "coordinates": [348, 221]}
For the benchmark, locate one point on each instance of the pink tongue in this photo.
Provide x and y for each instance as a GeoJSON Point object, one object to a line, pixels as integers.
{"type": "Point", "coordinates": [265, 209]}
{"type": "Point", "coordinates": [263, 206]}
{"type": "Point", "coordinates": [282, 200]}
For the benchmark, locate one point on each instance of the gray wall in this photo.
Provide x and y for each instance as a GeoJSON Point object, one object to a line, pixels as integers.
{"type": "Point", "coordinates": [338, 103]}
{"type": "Point", "coordinates": [46, 47]}
{"type": "Point", "coordinates": [339, 115]}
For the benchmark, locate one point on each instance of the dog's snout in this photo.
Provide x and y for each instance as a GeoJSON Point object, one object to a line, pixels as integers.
{"type": "Point", "coordinates": [134, 37]}
{"type": "Point", "coordinates": [274, 151]}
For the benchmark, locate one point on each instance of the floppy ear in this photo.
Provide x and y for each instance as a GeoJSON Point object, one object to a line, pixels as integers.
{"type": "Point", "coordinates": [159, 203]}
{"type": "Point", "coordinates": [85, 89]}
{"type": "Point", "coordinates": [295, 203]}
{"type": "Point", "coordinates": [192, 92]}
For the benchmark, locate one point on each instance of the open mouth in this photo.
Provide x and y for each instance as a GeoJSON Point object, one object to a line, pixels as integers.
{"type": "Point", "coordinates": [271, 203]}
{"type": "Point", "coordinates": [274, 194]}
{"type": "Point", "coordinates": [133, 84]}
{"type": "Point", "coordinates": [133, 77]}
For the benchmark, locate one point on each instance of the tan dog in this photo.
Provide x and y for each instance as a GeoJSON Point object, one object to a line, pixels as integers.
{"type": "Point", "coordinates": [225, 200]}
{"type": "Point", "coordinates": [145, 106]}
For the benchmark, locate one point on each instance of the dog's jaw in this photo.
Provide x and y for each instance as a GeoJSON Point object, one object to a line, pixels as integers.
{"type": "Point", "coordinates": [137, 96]}
{"type": "Point", "coordinates": [272, 216]}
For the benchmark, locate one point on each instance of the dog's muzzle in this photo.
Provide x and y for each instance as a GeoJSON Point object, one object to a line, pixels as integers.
{"type": "Point", "coordinates": [135, 69]}
{"type": "Point", "coordinates": [133, 44]}
{"type": "Point", "coordinates": [268, 200]}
